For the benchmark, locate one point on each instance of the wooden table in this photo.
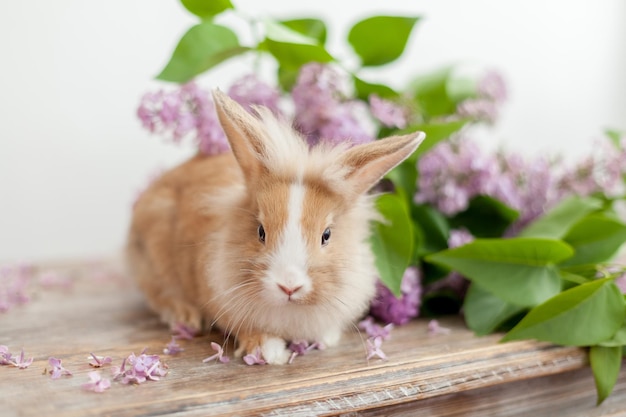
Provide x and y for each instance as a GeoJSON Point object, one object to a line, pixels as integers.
{"type": "Point", "coordinates": [455, 374]}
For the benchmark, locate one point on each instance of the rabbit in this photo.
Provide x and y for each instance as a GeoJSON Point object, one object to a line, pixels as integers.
{"type": "Point", "coordinates": [269, 242]}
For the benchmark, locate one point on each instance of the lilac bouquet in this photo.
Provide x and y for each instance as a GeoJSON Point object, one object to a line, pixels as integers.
{"type": "Point", "coordinates": [524, 245]}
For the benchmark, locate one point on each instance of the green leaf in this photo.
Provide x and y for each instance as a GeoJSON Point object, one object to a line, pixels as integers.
{"type": "Point", "coordinates": [596, 238]}
{"type": "Point", "coordinates": [380, 40]}
{"type": "Point", "coordinates": [206, 9]}
{"type": "Point", "coordinates": [434, 225]}
{"type": "Point", "coordinates": [364, 89]}
{"type": "Point", "coordinates": [203, 46]}
{"type": "Point", "coordinates": [581, 316]}
{"type": "Point", "coordinates": [618, 339]}
{"type": "Point", "coordinates": [520, 270]}
{"type": "Point", "coordinates": [431, 93]}
{"type": "Point", "coordinates": [392, 241]}
{"type": "Point", "coordinates": [484, 312]}
{"type": "Point", "coordinates": [556, 222]}
{"type": "Point", "coordinates": [312, 28]}
{"type": "Point", "coordinates": [605, 363]}
{"type": "Point", "coordinates": [291, 48]}
{"type": "Point", "coordinates": [485, 217]}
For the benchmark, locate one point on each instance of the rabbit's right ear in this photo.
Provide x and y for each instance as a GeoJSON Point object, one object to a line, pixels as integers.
{"type": "Point", "coordinates": [244, 132]}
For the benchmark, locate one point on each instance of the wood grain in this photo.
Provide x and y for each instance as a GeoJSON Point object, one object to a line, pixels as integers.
{"type": "Point", "coordinates": [103, 313]}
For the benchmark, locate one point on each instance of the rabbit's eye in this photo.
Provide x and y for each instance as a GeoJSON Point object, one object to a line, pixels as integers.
{"type": "Point", "coordinates": [325, 236]}
{"type": "Point", "coordinates": [261, 234]}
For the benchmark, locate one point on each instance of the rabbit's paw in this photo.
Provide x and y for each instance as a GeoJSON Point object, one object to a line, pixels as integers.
{"type": "Point", "coordinates": [273, 349]}
{"type": "Point", "coordinates": [183, 314]}
{"type": "Point", "coordinates": [331, 337]}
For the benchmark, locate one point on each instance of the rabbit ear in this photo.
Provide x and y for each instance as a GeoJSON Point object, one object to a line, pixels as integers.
{"type": "Point", "coordinates": [243, 131]}
{"type": "Point", "coordinates": [368, 163]}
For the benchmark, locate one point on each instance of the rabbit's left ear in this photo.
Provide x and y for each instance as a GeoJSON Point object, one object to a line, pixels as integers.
{"type": "Point", "coordinates": [366, 164]}
{"type": "Point", "coordinates": [244, 132]}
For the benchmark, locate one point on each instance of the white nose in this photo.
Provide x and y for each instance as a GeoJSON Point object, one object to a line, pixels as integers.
{"type": "Point", "coordinates": [289, 290]}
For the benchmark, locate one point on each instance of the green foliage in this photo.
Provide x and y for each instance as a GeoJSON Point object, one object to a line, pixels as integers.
{"type": "Point", "coordinates": [484, 311]}
{"type": "Point", "coordinates": [380, 40]}
{"type": "Point", "coordinates": [312, 28]}
{"type": "Point", "coordinates": [392, 241]}
{"type": "Point", "coordinates": [581, 316]}
{"type": "Point", "coordinates": [556, 223]}
{"type": "Point", "coordinates": [595, 238]}
{"type": "Point", "coordinates": [485, 217]}
{"type": "Point", "coordinates": [207, 9]}
{"type": "Point", "coordinates": [204, 46]}
{"type": "Point", "coordinates": [605, 363]}
{"type": "Point", "coordinates": [521, 271]}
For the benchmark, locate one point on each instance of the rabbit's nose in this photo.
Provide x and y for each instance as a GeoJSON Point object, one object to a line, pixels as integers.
{"type": "Point", "coordinates": [289, 290]}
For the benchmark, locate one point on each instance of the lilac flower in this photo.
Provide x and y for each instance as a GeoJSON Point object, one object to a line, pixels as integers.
{"type": "Point", "coordinates": [5, 355]}
{"type": "Point", "coordinates": [479, 109]}
{"type": "Point", "coordinates": [601, 171]}
{"type": "Point", "coordinates": [390, 309]}
{"type": "Point", "coordinates": [250, 91]}
{"type": "Point", "coordinates": [55, 279]}
{"type": "Point", "coordinates": [255, 358]}
{"type": "Point", "coordinates": [138, 369]}
{"type": "Point", "coordinates": [14, 280]}
{"type": "Point", "coordinates": [454, 172]}
{"type": "Point", "coordinates": [374, 348]}
{"type": "Point", "coordinates": [492, 86]}
{"type": "Point", "coordinates": [620, 282]}
{"type": "Point", "coordinates": [322, 110]}
{"type": "Point", "coordinates": [6, 358]}
{"type": "Point", "coordinates": [182, 331]}
{"type": "Point", "coordinates": [186, 111]}
{"type": "Point", "coordinates": [172, 348]}
{"type": "Point", "coordinates": [302, 347]}
{"type": "Point", "coordinates": [218, 356]}
{"type": "Point", "coordinates": [435, 329]}
{"type": "Point", "coordinates": [99, 361]}
{"type": "Point", "coordinates": [387, 112]}
{"type": "Point", "coordinates": [375, 330]}
{"type": "Point", "coordinates": [96, 382]}
{"type": "Point", "coordinates": [57, 370]}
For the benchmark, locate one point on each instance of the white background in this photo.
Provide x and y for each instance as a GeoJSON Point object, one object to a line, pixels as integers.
{"type": "Point", "coordinates": [73, 155]}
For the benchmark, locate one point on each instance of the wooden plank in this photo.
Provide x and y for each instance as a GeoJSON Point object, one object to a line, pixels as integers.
{"type": "Point", "coordinates": [107, 316]}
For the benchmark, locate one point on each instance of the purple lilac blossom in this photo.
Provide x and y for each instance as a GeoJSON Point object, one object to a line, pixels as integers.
{"type": "Point", "coordinates": [99, 361]}
{"type": "Point", "coordinates": [621, 283]}
{"type": "Point", "coordinates": [96, 382]}
{"type": "Point", "coordinates": [454, 172]}
{"type": "Point", "coordinates": [218, 356]}
{"type": "Point", "coordinates": [373, 329]}
{"type": "Point", "coordinates": [182, 331]}
{"type": "Point", "coordinates": [57, 370]}
{"type": "Point", "coordinates": [250, 91]}
{"type": "Point", "coordinates": [601, 171]}
{"type": "Point", "coordinates": [172, 348]}
{"type": "Point", "coordinates": [374, 345]}
{"type": "Point", "coordinates": [434, 328]}
{"type": "Point", "coordinates": [492, 86]}
{"type": "Point", "coordinates": [186, 111]}
{"type": "Point", "coordinates": [302, 347]}
{"type": "Point", "coordinates": [14, 280]}
{"type": "Point", "coordinates": [322, 110]}
{"type": "Point", "coordinates": [6, 358]}
{"type": "Point", "coordinates": [255, 358]}
{"type": "Point", "coordinates": [5, 355]}
{"type": "Point", "coordinates": [138, 369]}
{"type": "Point", "coordinates": [389, 309]}
{"type": "Point", "coordinates": [387, 112]}
{"type": "Point", "coordinates": [479, 109]}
